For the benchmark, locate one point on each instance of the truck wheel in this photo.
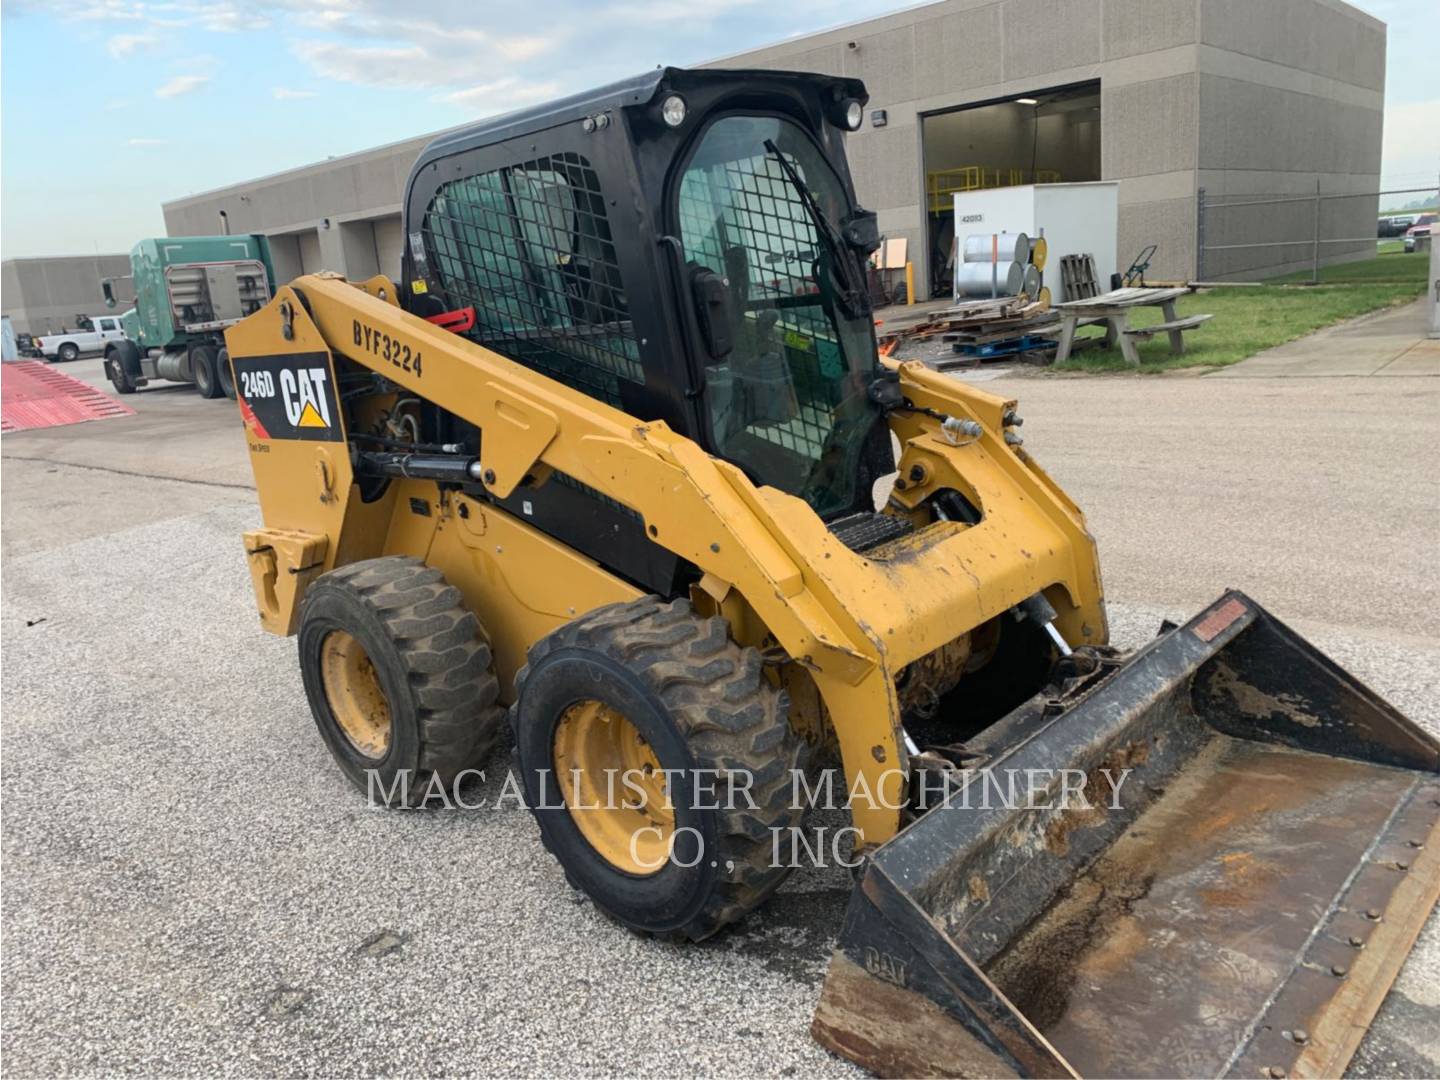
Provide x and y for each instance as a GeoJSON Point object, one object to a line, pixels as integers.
{"type": "Point", "coordinates": [605, 706]}
{"type": "Point", "coordinates": [202, 370]}
{"type": "Point", "coordinates": [224, 374]}
{"type": "Point", "coordinates": [68, 352]}
{"type": "Point", "coordinates": [398, 677]}
{"type": "Point", "coordinates": [118, 367]}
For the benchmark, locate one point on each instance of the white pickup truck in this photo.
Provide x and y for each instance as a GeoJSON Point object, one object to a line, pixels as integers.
{"type": "Point", "coordinates": [91, 337]}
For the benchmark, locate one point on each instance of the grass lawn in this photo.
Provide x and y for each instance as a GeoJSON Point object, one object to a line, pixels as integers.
{"type": "Point", "coordinates": [1248, 320]}
{"type": "Point", "coordinates": [1391, 264]}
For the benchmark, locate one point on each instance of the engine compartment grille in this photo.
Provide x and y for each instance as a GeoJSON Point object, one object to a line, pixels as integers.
{"type": "Point", "coordinates": [865, 530]}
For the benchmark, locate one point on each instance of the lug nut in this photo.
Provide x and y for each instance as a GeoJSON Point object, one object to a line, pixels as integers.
{"type": "Point", "coordinates": [1338, 970]}
{"type": "Point", "coordinates": [1373, 914]}
{"type": "Point", "coordinates": [1401, 864]}
{"type": "Point", "coordinates": [1357, 941]}
{"type": "Point", "coordinates": [1275, 1072]}
{"type": "Point", "coordinates": [1301, 1036]}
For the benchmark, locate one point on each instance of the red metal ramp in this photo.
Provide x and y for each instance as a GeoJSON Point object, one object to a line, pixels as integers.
{"type": "Point", "coordinates": [35, 395]}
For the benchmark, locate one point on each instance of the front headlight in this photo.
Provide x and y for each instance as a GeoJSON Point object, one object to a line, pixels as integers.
{"type": "Point", "coordinates": [854, 114]}
{"type": "Point", "coordinates": [672, 110]}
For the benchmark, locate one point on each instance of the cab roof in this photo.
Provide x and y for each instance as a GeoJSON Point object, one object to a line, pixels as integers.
{"type": "Point", "coordinates": [636, 90]}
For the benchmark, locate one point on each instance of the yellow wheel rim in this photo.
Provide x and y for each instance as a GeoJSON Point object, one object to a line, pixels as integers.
{"type": "Point", "coordinates": [353, 690]}
{"type": "Point", "coordinates": [614, 788]}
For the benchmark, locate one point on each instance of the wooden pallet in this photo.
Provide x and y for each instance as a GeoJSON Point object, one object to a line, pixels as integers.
{"type": "Point", "coordinates": [1077, 275]}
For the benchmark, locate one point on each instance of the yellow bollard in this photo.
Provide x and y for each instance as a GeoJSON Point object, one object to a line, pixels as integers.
{"type": "Point", "coordinates": [909, 283]}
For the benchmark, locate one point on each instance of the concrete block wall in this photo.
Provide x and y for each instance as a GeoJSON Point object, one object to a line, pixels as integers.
{"type": "Point", "coordinates": [1229, 92]}
{"type": "Point", "coordinates": [1291, 101]}
{"type": "Point", "coordinates": [43, 295]}
{"type": "Point", "coordinates": [960, 52]}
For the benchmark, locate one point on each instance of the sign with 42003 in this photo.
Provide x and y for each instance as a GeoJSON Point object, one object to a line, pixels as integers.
{"type": "Point", "coordinates": [396, 352]}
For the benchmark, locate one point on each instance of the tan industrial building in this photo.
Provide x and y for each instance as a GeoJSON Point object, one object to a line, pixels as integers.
{"type": "Point", "coordinates": [43, 295]}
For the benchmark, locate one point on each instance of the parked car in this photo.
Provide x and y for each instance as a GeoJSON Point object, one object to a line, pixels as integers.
{"type": "Point", "coordinates": [1394, 225]}
{"type": "Point", "coordinates": [92, 335]}
{"type": "Point", "coordinates": [1420, 228]}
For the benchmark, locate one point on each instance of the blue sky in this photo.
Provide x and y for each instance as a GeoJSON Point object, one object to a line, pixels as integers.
{"type": "Point", "coordinates": [111, 107]}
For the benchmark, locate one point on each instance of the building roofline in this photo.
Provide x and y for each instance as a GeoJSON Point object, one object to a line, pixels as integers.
{"type": "Point", "coordinates": [337, 161]}
{"type": "Point", "coordinates": [1335, 5]}
{"type": "Point", "coordinates": [57, 258]}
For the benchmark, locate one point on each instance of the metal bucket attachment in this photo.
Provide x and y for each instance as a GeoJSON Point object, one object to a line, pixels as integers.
{"type": "Point", "coordinates": [1255, 851]}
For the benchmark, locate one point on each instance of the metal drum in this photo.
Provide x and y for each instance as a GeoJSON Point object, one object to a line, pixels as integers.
{"type": "Point", "coordinates": [1039, 252]}
{"type": "Point", "coordinates": [974, 279]}
{"type": "Point", "coordinates": [1032, 282]}
{"type": "Point", "coordinates": [1013, 247]}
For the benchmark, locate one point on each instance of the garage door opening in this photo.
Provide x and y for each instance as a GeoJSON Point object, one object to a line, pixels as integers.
{"type": "Point", "coordinates": [1045, 137]}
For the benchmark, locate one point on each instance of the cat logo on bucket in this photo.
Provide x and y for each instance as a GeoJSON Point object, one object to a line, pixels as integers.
{"type": "Point", "coordinates": [303, 391]}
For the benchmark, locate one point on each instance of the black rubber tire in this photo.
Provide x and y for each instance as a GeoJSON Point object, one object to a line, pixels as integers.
{"type": "Point", "coordinates": [224, 374]}
{"type": "Point", "coordinates": [118, 367]}
{"type": "Point", "coordinates": [701, 702]}
{"type": "Point", "coordinates": [432, 664]}
{"type": "Point", "coordinates": [68, 352]}
{"type": "Point", "coordinates": [202, 370]}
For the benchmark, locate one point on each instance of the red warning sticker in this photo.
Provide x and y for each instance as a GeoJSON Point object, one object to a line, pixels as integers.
{"type": "Point", "coordinates": [1208, 628]}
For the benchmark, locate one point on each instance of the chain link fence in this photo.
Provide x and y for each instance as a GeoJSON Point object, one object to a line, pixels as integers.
{"type": "Point", "coordinates": [1255, 237]}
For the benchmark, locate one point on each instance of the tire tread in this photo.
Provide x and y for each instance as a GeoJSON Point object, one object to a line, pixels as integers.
{"type": "Point", "coordinates": [446, 660]}
{"type": "Point", "coordinates": [731, 718]}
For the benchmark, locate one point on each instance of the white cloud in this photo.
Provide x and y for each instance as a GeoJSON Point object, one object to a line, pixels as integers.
{"type": "Point", "coordinates": [181, 84]}
{"type": "Point", "coordinates": [116, 104]}
{"type": "Point", "coordinates": [107, 9]}
{"type": "Point", "coordinates": [507, 93]}
{"type": "Point", "coordinates": [284, 93]}
{"type": "Point", "coordinates": [228, 19]}
{"type": "Point", "coordinates": [123, 45]}
{"type": "Point", "coordinates": [404, 68]}
{"type": "Point", "coordinates": [217, 16]}
{"type": "Point", "coordinates": [648, 12]}
{"type": "Point", "coordinates": [520, 47]}
{"type": "Point", "coordinates": [148, 142]}
{"type": "Point", "coordinates": [367, 44]}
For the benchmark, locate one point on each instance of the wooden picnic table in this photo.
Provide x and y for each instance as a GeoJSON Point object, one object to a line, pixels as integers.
{"type": "Point", "coordinates": [1114, 308]}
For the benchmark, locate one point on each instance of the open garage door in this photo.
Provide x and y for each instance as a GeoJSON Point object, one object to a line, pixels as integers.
{"type": "Point", "coordinates": [1046, 137]}
{"type": "Point", "coordinates": [389, 245]}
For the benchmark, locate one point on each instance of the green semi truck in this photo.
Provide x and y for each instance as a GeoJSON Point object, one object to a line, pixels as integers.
{"type": "Point", "coordinates": [187, 290]}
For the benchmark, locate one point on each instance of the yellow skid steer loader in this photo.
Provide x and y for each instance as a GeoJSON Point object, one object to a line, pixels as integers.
{"type": "Point", "coordinates": [615, 454]}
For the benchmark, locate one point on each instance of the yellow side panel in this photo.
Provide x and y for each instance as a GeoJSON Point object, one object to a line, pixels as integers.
{"type": "Point", "coordinates": [520, 583]}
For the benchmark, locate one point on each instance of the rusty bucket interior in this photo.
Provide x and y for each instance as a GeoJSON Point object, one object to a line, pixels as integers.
{"type": "Point", "coordinates": [1255, 850]}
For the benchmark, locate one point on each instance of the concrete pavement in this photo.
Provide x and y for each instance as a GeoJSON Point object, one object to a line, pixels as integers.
{"type": "Point", "coordinates": [191, 889]}
{"type": "Point", "coordinates": [1391, 343]}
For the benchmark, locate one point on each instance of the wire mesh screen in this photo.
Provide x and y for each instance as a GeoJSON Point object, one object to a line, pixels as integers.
{"type": "Point", "coordinates": [530, 248]}
{"type": "Point", "coordinates": [744, 219]}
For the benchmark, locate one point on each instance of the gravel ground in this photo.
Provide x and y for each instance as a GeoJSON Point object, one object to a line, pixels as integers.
{"type": "Point", "coordinates": [191, 888]}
